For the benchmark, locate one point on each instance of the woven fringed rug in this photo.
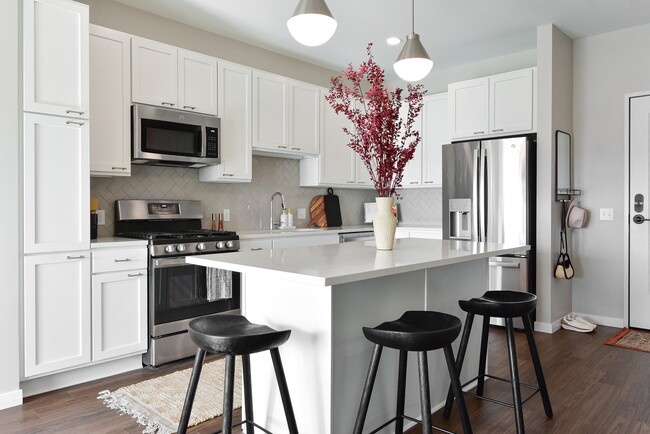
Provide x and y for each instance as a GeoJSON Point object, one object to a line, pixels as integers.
{"type": "Point", "coordinates": [631, 339]}
{"type": "Point", "coordinates": [156, 404]}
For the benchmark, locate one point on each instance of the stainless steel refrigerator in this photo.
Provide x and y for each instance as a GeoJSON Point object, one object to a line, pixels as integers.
{"type": "Point", "coordinates": [488, 194]}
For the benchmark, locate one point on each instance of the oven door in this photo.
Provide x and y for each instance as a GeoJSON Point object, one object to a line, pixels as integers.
{"type": "Point", "coordinates": [178, 291]}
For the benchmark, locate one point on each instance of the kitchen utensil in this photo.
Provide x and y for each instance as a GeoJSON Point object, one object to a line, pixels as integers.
{"type": "Point", "coordinates": [332, 209]}
{"type": "Point", "coordinates": [317, 211]}
{"type": "Point", "coordinates": [94, 204]}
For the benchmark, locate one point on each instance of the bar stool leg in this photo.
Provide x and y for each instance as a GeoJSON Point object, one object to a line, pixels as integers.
{"type": "Point", "coordinates": [401, 392]}
{"type": "Point", "coordinates": [528, 328]}
{"type": "Point", "coordinates": [457, 391]}
{"type": "Point", "coordinates": [485, 337]}
{"type": "Point", "coordinates": [514, 371]}
{"type": "Point", "coordinates": [284, 391]}
{"type": "Point", "coordinates": [248, 394]}
{"type": "Point", "coordinates": [467, 330]}
{"type": "Point", "coordinates": [228, 392]}
{"type": "Point", "coordinates": [191, 391]}
{"type": "Point", "coordinates": [367, 389]}
{"type": "Point", "coordinates": [425, 398]}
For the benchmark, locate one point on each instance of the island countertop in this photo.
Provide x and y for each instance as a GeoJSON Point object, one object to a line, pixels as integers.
{"type": "Point", "coordinates": [351, 262]}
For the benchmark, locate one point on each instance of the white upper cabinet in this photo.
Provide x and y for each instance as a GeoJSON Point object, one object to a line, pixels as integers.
{"type": "Point", "coordinates": [435, 133]}
{"type": "Point", "coordinates": [412, 175]}
{"type": "Point", "coordinates": [56, 184]}
{"type": "Point", "coordinates": [235, 111]}
{"type": "Point", "coordinates": [110, 96]}
{"type": "Point", "coordinates": [171, 77]}
{"type": "Point", "coordinates": [285, 116]}
{"type": "Point", "coordinates": [55, 56]}
{"type": "Point", "coordinates": [197, 82]}
{"type": "Point", "coordinates": [493, 106]}
{"type": "Point", "coordinates": [468, 108]}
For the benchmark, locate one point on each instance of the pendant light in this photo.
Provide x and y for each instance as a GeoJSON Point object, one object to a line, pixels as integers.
{"type": "Point", "coordinates": [413, 62]}
{"type": "Point", "coordinates": [312, 23]}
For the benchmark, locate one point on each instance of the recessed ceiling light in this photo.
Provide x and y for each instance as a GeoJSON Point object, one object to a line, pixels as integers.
{"type": "Point", "coordinates": [393, 40]}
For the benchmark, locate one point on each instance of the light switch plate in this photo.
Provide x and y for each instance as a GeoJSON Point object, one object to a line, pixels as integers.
{"type": "Point", "coordinates": [226, 215]}
{"type": "Point", "coordinates": [101, 217]}
{"type": "Point", "coordinates": [607, 213]}
{"type": "Point", "coordinates": [302, 214]}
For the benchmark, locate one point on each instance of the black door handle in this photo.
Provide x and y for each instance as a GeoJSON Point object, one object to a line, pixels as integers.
{"type": "Point", "coordinates": [638, 219]}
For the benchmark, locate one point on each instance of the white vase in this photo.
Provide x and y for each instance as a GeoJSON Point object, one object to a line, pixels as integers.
{"type": "Point", "coordinates": [384, 223]}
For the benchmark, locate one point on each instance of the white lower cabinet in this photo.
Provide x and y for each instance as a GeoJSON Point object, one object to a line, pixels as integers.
{"type": "Point", "coordinates": [119, 302]}
{"type": "Point", "coordinates": [56, 312]}
{"type": "Point", "coordinates": [255, 244]}
{"type": "Point", "coordinates": [305, 241]}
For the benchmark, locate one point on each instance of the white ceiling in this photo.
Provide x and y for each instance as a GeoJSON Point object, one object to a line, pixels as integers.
{"type": "Point", "coordinates": [453, 32]}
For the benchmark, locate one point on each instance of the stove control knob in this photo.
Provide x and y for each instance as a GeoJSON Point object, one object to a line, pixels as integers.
{"type": "Point", "coordinates": [169, 249]}
{"type": "Point", "coordinates": [200, 246]}
{"type": "Point", "coordinates": [180, 248]}
{"type": "Point", "coordinates": [221, 245]}
{"type": "Point", "coordinates": [230, 244]}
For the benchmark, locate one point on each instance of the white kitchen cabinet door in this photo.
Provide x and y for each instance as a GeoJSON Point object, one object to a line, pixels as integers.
{"type": "Point", "coordinates": [434, 134]}
{"type": "Point", "coordinates": [362, 176]}
{"type": "Point", "coordinates": [305, 241]}
{"type": "Point", "coordinates": [304, 120]}
{"type": "Point", "coordinates": [468, 108]}
{"type": "Point", "coordinates": [56, 184]}
{"type": "Point", "coordinates": [119, 314]}
{"type": "Point", "coordinates": [251, 245]}
{"type": "Point", "coordinates": [412, 175]}
{"type": "Point", "coordinates": [270, 112]}
{"type": "Point", "coordinates": [235, 111]}
{"type": "Point", "coordinates": [55, 58]}
{"type": "Point", "coordinates": [336, 163]}
{"type": "Point", "coordinates": [154, 73]}
{"type": "Point", "coordinates": [110, 82]}
{"type": "Point", "coordinates": [56, 312]}
{"type": "Point", "coordinates": [197, 82]}
{"type": "Point", "coordinates": [511, 102]}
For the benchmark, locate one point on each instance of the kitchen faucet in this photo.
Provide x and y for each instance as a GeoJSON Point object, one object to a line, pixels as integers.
{"type": "Point", "coordinates": [277, 223]}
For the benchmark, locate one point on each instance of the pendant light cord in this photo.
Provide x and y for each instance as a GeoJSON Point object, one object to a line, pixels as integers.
{"type": "Point", "coordinates": [412, 16]}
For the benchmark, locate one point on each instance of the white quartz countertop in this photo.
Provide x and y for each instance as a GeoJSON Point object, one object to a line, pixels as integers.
{"type": "Point", "coordinates": [350, 262]}
{"type": "Point", "coordinates": [266, 233]}
{"type": "Point", "coordinates": [112, 242]}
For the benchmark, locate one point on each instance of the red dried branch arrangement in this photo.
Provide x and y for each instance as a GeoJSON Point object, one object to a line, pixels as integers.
{"type": "Point", "coordinates": [382, 139]}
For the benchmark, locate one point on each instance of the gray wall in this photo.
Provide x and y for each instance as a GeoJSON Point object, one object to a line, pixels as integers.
{"type": "Point", "coordinates": [9, 216]}
{"type": "Point", "coordinates": [606, 68]}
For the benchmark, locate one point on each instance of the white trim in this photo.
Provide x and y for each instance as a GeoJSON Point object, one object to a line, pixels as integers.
{"type": "Point", "coordinates": [545, 327]}
{"type": "Point", "coordinates": [604, 320]}
{"type": "Point", "coordinates": [11, 399]}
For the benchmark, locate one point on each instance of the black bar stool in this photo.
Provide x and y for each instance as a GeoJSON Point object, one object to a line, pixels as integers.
{"type": "Point", "coordinates": [234, 335]}
{"type": "Point", "coordinates": [419, 331]}
{"type": "Point", "coordinates": [507, 305]}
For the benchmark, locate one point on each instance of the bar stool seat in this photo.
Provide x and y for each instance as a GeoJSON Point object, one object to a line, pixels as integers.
{"type": "Point", "coordinates": [507, 305]}
{"type": "Point", "coordinates": [231, 336]}
{"type": "Point", "coordinates": [418, 331]}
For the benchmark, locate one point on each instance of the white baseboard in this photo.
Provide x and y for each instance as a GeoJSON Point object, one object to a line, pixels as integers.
{"type": "Point", "coordinates": [603, 320]}
{"type": "Point", "coordinates": [11, 399]}
{"type": "Point", "coordinates": [545, 327]}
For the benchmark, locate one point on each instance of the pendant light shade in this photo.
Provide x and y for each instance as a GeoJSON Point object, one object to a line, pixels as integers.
{"type": "Point", "coordinates": [312, 23]}
{"type": "Point", "coordinates": [413, 62]}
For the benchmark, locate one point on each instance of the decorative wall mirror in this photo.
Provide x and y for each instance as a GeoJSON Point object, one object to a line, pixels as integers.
{"type": "Point", "coordinates": [563, 164]}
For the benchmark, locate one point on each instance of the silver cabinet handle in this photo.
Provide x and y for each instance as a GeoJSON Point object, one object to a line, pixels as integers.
{"type": "Point", "coordinates": [414, 182]}
{"type": "Point", "coordinates": [256, 248]}
{"type": "Point", "coordinates": [123, 260]}
{"type": "Point", "coordinates": [497, 131]}
{"type": "Point", "coordinates": [296, 149]}
{"type": "Point", "coordinates": [228, 174]}
{"type": "Point", "coordinates": [116, 168]}
{"type": "Point", "coordinates": [75, 257]}
{"type": "Point", "coordinates": [282, 147]}
{"type": "Point", "coordinates": [188, 107]}
{"type": "Point", "coordinates": [75, 112]}
{"type": "Point", "coordinates": [168, 103]}
{"type": "Point", "coordinates": [428, 182]}
{"type": "Point", "coordinates": [479, 132]}
{"type": "Point", "coordinates": [350, 182]}
{"type": "Point", "coordinates": [135, 275]}
{"type": "Point", "coordinates": [74, 122]}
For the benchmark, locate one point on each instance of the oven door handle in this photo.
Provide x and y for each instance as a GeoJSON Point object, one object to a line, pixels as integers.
{"type": "Point", "coordinates": [168, 262]}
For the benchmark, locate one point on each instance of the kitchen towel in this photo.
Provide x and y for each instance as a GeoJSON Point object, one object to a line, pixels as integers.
{"type": "Point", "coordinates": [219, 283]}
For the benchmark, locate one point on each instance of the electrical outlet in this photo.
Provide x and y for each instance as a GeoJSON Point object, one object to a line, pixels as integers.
{"type": "Point", "coordinates": [607, 213]}
{"type": "Point", "coordinates": [302, 214]}
{"type": "Point", "coordinates": [226, 215]}
{"type": "Point", "coordinates": [101, 217]}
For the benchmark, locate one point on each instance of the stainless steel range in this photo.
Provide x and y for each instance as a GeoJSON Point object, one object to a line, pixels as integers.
{"type": "Point", "coordinates": [178, 292]}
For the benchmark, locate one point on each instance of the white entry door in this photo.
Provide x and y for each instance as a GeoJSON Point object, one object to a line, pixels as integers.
{"type": "Point", "coordinates": [639, 212]}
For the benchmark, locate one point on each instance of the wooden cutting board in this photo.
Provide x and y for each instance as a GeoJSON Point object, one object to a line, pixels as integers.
{"type": "Point", "coordinates": [317, 212]}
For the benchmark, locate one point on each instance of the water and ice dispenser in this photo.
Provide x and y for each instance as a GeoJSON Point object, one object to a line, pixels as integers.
{"type": "Point", "coordinates": [460, 219]}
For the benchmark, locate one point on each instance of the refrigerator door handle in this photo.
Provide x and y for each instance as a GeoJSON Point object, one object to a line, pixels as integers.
{"type": "Point", "coordinates": [483, 176]}
{"type": "Point", "coordinates": [476, 205]}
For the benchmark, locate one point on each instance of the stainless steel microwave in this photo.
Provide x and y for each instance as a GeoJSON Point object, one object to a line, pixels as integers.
{"type": "Point", "coordinates": [168, 137]}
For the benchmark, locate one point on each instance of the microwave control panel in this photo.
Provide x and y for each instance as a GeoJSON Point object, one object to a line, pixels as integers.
{"type": "Point", "coordinates": [212, 142]}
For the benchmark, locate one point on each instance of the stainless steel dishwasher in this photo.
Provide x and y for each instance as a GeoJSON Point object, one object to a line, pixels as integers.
{"type": "Point", "coordinates": [346, 237]}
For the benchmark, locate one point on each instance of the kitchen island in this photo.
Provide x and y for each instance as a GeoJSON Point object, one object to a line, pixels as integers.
{"type": "Point", "coordinates": [325, 295]}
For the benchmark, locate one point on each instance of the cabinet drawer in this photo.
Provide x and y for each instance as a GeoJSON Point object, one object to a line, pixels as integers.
{"type": "Point", "coordinates": [119, 259]}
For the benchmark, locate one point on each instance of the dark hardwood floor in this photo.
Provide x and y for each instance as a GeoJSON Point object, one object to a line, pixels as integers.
{"type": "Point", "coordinates": [594, 388]}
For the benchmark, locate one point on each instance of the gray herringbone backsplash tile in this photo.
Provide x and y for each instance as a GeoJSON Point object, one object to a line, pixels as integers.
{"type": "Point", "coordinates": [249, 203]}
